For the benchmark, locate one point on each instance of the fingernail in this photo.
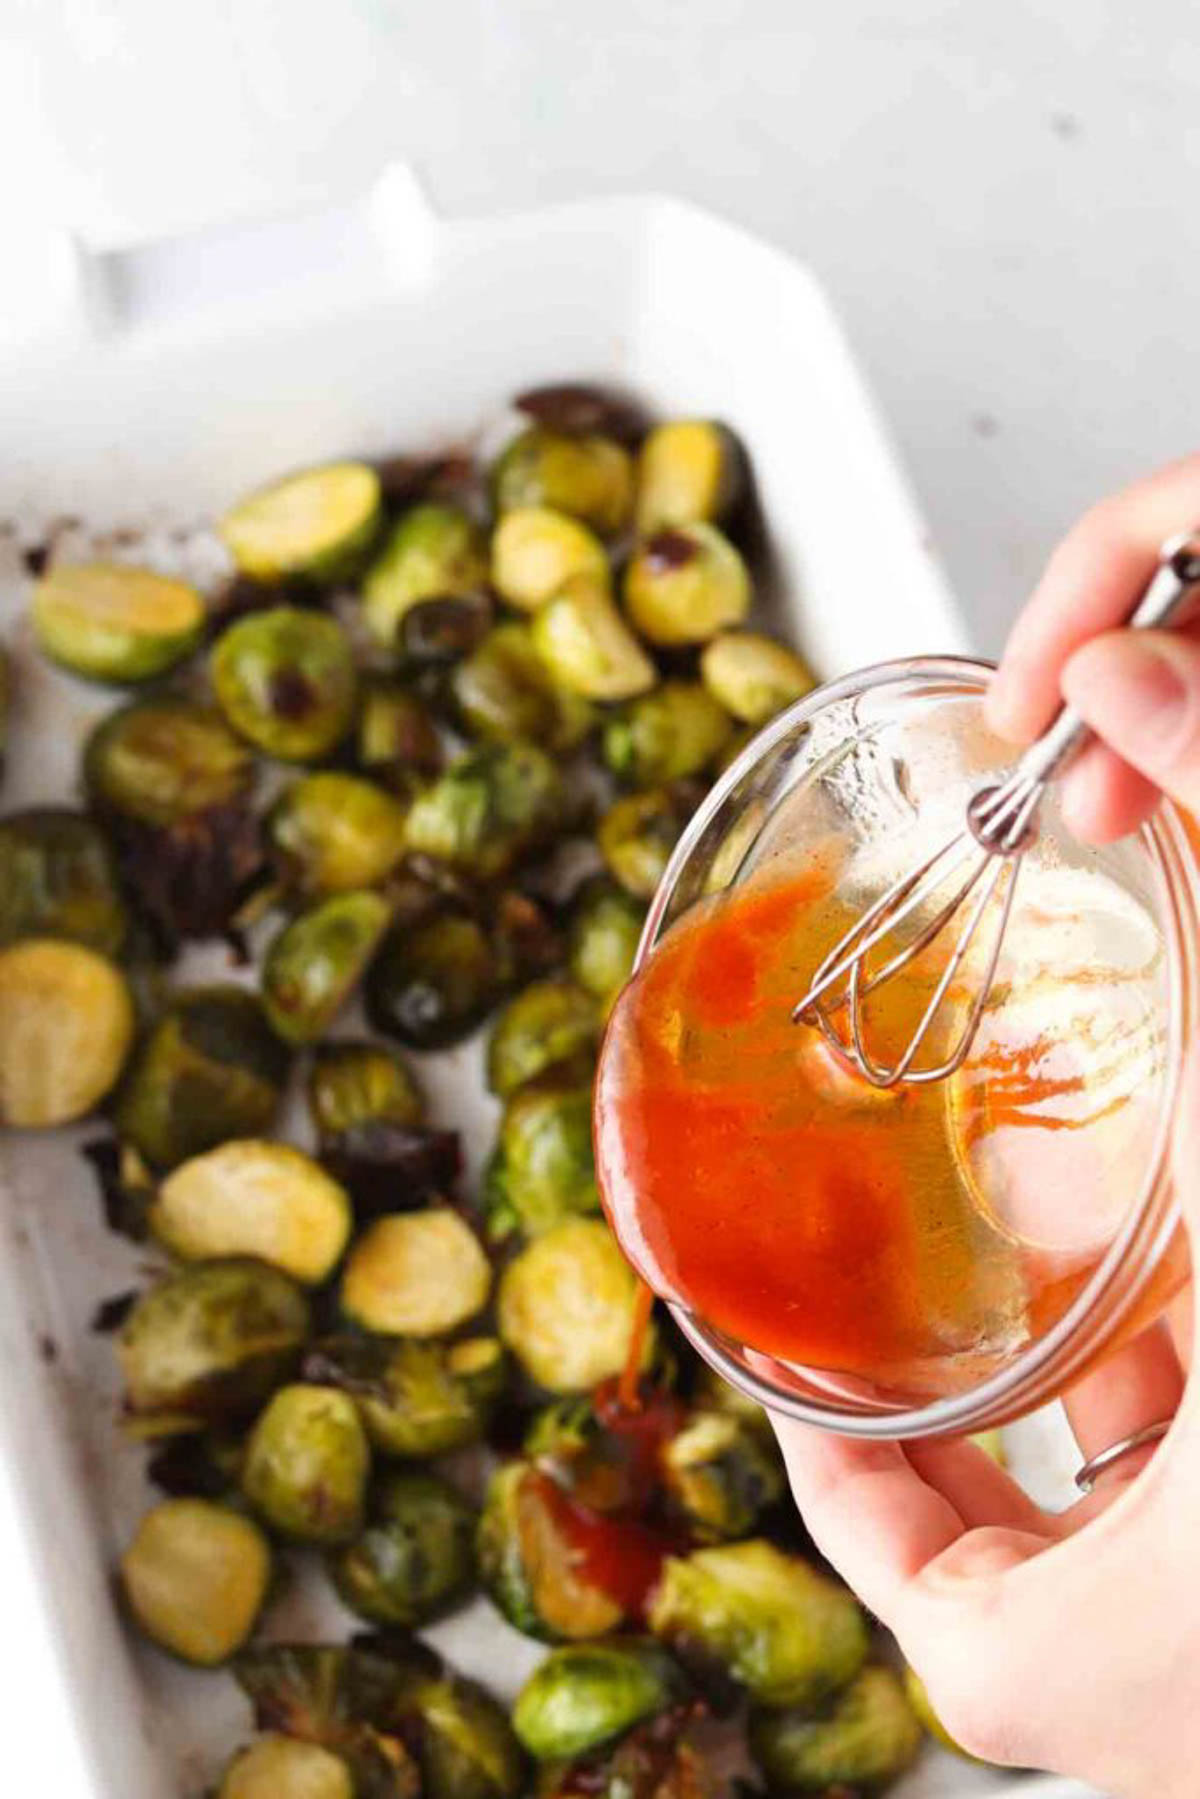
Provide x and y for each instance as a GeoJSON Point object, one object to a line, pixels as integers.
{"type": "Point", "coordinates": [1131, 690]}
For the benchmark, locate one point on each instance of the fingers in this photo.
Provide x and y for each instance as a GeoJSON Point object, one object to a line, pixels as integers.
{"type": "Point", "coordinates": [980, 1491]}
{"type": "Point", "coordinates": [1103, 798]}
{"type": "Point", "coordinates": [1139, 1385]}
{"type": "Point", "coordinates": [1140, 691]}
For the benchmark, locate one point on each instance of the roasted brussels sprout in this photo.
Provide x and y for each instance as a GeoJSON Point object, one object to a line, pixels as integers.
{"type": "Point", "coordinates": [684, 585]}
{"type": "Point", "coordinates": [676, 730]}
{"type": "Point", "coordinates": [866, 1736]}
{"type": "Point", "coordinates": [416, 1274]}
{"type": "Point", "coordinates": [722, 1474]}
{"type": "Point", "coordinates": [689, 471]}
{"type": "Point", "coordinates": [316, 962]}
{"type": "Point", "coordinates": [210, 1069]}
{"type": "Point", "coordinates": [535, 552]}
{"type": "Point", "coordinates": [335, 833]}
{"type": "Point", "coordinates": [163, 760]}
{"type": "Point", "coordinates": [252, 1198]}
{"type": "Point", "coordinates": [416, 1556]}
{"type": "Point", "coordinates": [307, 1464]}
{"type": "Point", "coordinates": [416, 1399]}
{"type": "Point", "coordinates": [211, 1342]}
{"type": "Point", "coordinates": [922, 1706]}
{"type": "Point", "coordinates": [58, 879]}
{"type": "Point", "coordinates": [393, 1167]}
{"type": "Point", "coordinates": [606, 928]}
{"type": "Point", "coordinates": [543, 1170]}
{"type": "Point", "coordinates": [550, 1025]}
{"type": "Point", "coordinates": [277, 1767]}
{"type": "Point", "coordinates": [66, 1027]}
{"type": "Point", "coordinates": [606, 1456]}
{"type": "Point", "coordinates": [579, 408]}
{"type": "Point", "coordinates": [503, 691]}
{"type": "Point", "coordinates": [316, 524]}
{"type": "Point", "coordinates": [530, 1562]}
{"type": "Point", "coordinates": [490, 807]}
{"type": "Point", "coordinates": [430, 986]}
{"type": "Point", "coordinates": [359, 1083]}
{"type": "Point", "coordinates": [397, 738]}
{"type": "Point", "coordinates": [433, 552]}
{"type": "Point", "coordinates": [565, 1307]}
{"type": "Point", "coordinates": [433, 634]}
{"type": "Point", "coordinates": [110, 622]}
{"type": "Point", "coordinates": [590, 478]}
{"type": "Point", "coordinates": [753, 676]}
{"type": "Point", "coordinates": [789, 1635]}
{"type": "Point", "coordinates": [654, 1760]}
{"type": "Point", "coordinates": [587, 646]}
{"type": "Point", "coordinates": [195, 1577]}
{"type": "Point", "coordinates": [586, 1694]}
{"type": "Point", "coordinates": [637, 834]}
{"type": "Point", "coordinates": [285, 680]}
{"type": "Point", "coordinates": [464, 1742]}
{"type": "Point", "coordinates": [326, 1693]}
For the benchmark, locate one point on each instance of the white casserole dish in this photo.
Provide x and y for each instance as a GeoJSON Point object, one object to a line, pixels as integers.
{"type": "Point", "coordinates": [142, 390]}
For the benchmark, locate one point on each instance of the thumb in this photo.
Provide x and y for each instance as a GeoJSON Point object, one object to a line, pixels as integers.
{"type": "Point", "coordinates": [1140, 693]}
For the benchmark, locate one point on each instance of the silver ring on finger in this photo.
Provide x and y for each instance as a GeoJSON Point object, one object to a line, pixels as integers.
{"type": "Point", "coordinates": [1091, 1471]}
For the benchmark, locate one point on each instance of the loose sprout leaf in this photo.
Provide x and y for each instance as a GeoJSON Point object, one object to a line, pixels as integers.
{"type": "Point", "coordinates": [388, 1167]}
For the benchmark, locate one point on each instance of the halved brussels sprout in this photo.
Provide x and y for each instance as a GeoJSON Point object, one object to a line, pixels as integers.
{"type": "Point", "coordinates": [361, 1083]}
{"type": "Point", "coordinates": [652, 1761]}
{"type": "Point", "coordinates": [281, 1768]}
{"type": "Point", "coordinates": [566, 1305]}
{"type": "Point", "coordinates": [165, 759]}
{"type": "Point", "coordinates": [315, 524]}
{"type": "Point", "coordinates": [397, 738]}
{"type": "Point", "coordinates": [464, 1742]}
{"type": "Point", "coordinates": [416, 1399]}
{"type": "Point", "coordinates": [432, 985]}
{"type": "Point", "coordinates": [58, 879]}
{"type": "Point", "coordinates": [336, 832]}
{"type": "Point", "coordinates": [587, 646]}
{"type": "Point", "coordinates": [677, 730]}
{"type": "Point", "coordinates": [252, 1198]}
{"type": "Point", "coordinates": [638, 833]}
{"type": "Point", "coordinates": [684, 585]}
{"type": "Point", "coordinates": [433, 552]}
{"type": "Point", "coordinates": [211, 1341]}
{"type": "Point", "coordinates": [544, 1169]}
{"type": "Point", "coordinates": [753, 676]}
{"type": "Point", "coordinates": [589, 477]}
{"type": "Point", "coordinates": [66, 1027]}
{"type": "Point", "coordinates": [530, 1561]}
{"type": "Point", "coordinates": [503, 691]}
{"type": "Point", "coordinates": [307, 1464]}
{"type": "Point", "coordinates": [195, 1577]}
{"type": "Point", "coordinates": [285, 680]}
{"type": "Point", "coordinates": [535, 552]}
{"type": "Point", "coordinates": [588, 1693]}
{"type": "Point", "coordinates": [789, 1635]}
{"type": "Point", "coordinates": [550, 1024]}
{"type": "Point", "coordinates": [606, 928]}
{"type": "Point", "coordinates": [417, 1274]}
{"type": "Point", "coordinates": [434, 633]}
{"type": "Point", "coordinates": [489, 808]}
{"type": "Point", "coordinates": [326, 1693]}
{"type": "Point", "coordinates": [315, 963]}
{"type": "Point", "coordinates": [689, 471]}
{"type": "Point", "coordinates": [211, 1068]}
{"type": "Point", "coordinates": [866, 1736]}
{"type": "Point", "coordinates": [722, 1474]}
{"type": "Point", "coordinates": [416, 1556]}
{"type": "Point", "coordinates": [111, 622]}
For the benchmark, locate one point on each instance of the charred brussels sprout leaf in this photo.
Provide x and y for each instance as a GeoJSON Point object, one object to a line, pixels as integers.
{"type": "Point", "coordinates": [434, 634]}
{"type": "Point", "coordinates": [416, 1556]}
{"type": "Point", "coordinates": [752, 676]}
{"type": "Point", "coordinates": [317, 961]}
{"type": "Point", "coordinates": [417, 1399]}
{"type": "Point", "coordinates": [535, 552]}
{"type": "Point", "coordinates": [606, 928]}
{"type": "Point", "coordinates": [281, 1768]}
{"type": "Point", "coordinates": [503, 691]}
{"type": "Point", "coordinates": [545, 1170]}
{"type": "Point", "coordinates": [587, 646]}
{"type": "Point", "coordinates": [352, 1084]}
{"type": "Point", "coordinates": [591, 478]}
{"type": "Point", "coordinates": [110, 622]}
{"type": "Point", "coordinates": [58, 879]}
{"type": "Point", "coordinates": [684, 585]}
{"type": "Point", "coordinates": [722, 1474]}
{"type": "Point", "coordinates": [490, 807]}
{"type": "Point", "coordinates": [587, 1694]}
{"type": "Point", "coordinates": [161, 761]}
{"type": "Point", "coordinates": [314, 525]}
{"type": "Point", "coordinates": [689, 472]}
{"type": "Point", "coordinates": [431, 986]}
{"type": "Point", "coordinates": [464, 1742]}
{"type": "Point", "coordinates": [565, 1307]}
{"type": "Point", "coordinates": [66, 1027]}
{"type": "Point", "coordinates": [195, 1577]}
{"type": "Point", "coordinates": [416, 1274]}
{"type": "Point", "coordinates": [651, 1761]}
{"type": "Point", "coordinates": [675, 731]}
{"type": "Point", "coordinates": [335, 833]}
{"type": "Point", "coordinates": [529, 1560]}
{"type": "Point", "coordinates": [637, 835]}
{"type": "Point", "coordinates": [252, 1198]}
{"type": "Point", "coordinates": [392, 1167]}
{"type": "Point", "coordinates": [397, 738]}
{"type": "Point", "coordinates": [285, 681]}
{"type": "Point", "coordinates": [550, 1025]}
{"type": "Point", "coordinates": [433, 552]}
{"type": "Point", "coordinates": [579, 409]}
{"type": "Point", "coordinates": [307, 1464]}
{"type": "Point", "coordinates": [866, 1736]}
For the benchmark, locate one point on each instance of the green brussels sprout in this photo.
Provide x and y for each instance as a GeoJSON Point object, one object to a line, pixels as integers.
{"type": "Point", "coordinates": [638, 833]}
{"type": "Point", "coordinates": [416, 1274]}
{"type": "Point", "coordinates": [465, 1745]}
{"type": "Point", "coordinates": [865, 1736]}
{"type": "Point", "coordinates": [753, 676]}
{"type": "Point", "coordinates": [789, 1635]}
{"type": "Point", "coordinates": [165, 759]}
{"type": "Point", "coordinates": [529, 1560]}
{"type": "Point", "coordinates": [432, 985]}
{"type": "Point", "coordinates": [278, 1767]}
{"type": "Point", "coordinates": [677, 730]}
{"type": "Point", "coordinates": [433, 634]}
{"type": "Point", "coordinates": [211, 1068]}
{"type": "Point", "coordinates": [397, 738]}
{"type": "Point", "coordinates": [433, 552]}
{"type": "Point", "coordinates": [550, 1024]}
{"type": "Point", "coordinates": [195, 1578]}
{"type": "Point", "coordinates": [722, 1474]}
{"type": "Point", "coordinates": [110, 622]}
{"type": "Point", "coordinates": [535, 552]}
{"type": "Point", "coordinates": [684, 585]}
{"type": "Point", "coordinates": [252, 1198]}
{"type": "Point", "coordinates": [66, 1028]}
{"type": "Point", "coordinates": [606, 928]}
{"type": "Point", "coordinates": [316, 962]}
{"type": "Point", "coordinates": [352, 1084]}
{"type": "Point", "coordinates": [417, 1399]}
{"type": "Point", "coordinates": [589, 477]}
{"type": "Point", "coordinates": [307, 1464]}
{"type": "Point", "coordinates": [689, 471]}
{"type": "Point", "coordinates": [586, 1694]}
{"type": "Point", "coordinates": [587, 646]}
{"type": "Point", "coordinates": [58, 879]}
{"type": "Point", "coordinates": [651, 1761]}
{"type": "Point", "coordinates": [335, 833]}
{"type": "Point", "coordinates": [489, 808]}
{"type": "Point", "coordinates": [544, 1169]}
{"type": "Point", "coordinates": [316, 524]}
{"type": "Point", "coordinates": [211, 1341]}
{"type": "Point", "coordinates": [503, 691]}
{"type": "Point", "coordinates": [565, 1307]}
{"type": "Point", "coordinates": [416, 1556]}
{"type": "Point", "coordinates": [285, 680]}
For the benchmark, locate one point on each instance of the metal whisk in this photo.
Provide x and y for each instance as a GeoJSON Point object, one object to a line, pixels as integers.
{"type": "Point", "coordinates": [979, 865]}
